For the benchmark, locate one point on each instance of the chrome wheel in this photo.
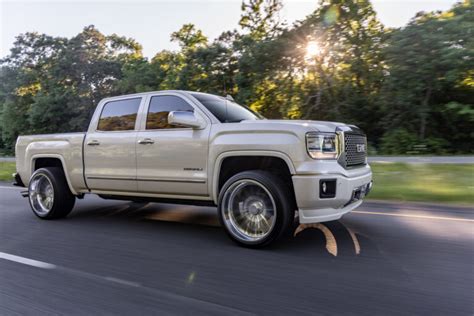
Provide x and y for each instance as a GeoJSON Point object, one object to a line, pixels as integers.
{"type": "Point", "coordinates": [41, 194]}
{"type": "Point", "coordinates": [248, 210]}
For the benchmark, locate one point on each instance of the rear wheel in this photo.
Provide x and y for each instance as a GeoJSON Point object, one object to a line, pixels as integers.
{"type": "Point", "coordinates": [49, 194]}
{"type": "Point", "coordinates": [254, 208]}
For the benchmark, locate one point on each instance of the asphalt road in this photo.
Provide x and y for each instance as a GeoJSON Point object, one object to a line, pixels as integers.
{"type": "Point", "coordinates": [115, 257]}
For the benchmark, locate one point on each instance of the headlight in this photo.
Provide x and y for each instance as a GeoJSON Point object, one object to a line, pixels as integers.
{"type": "Point", "coordinates": [322, 145]}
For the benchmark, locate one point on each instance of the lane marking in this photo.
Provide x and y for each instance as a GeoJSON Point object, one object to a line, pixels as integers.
{"type": "Point", "coordinates": [417, 216]}
{"type": "Point", "coordinates": [29, 262]}
{"type": "Point", "coordinates": [123, 282]}
{"type": "Point", "coordinates": [182, 298]}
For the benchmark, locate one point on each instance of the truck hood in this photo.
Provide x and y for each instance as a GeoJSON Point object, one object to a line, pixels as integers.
{"type": "Point", "coordinates": [308, 125]}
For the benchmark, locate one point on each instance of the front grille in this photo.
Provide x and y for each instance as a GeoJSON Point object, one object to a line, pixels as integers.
{"type": "Point", "coordinates": [355, 147]}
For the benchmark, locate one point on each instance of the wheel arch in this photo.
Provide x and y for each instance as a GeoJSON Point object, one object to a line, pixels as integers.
{"type": "Point", "coordinates": [222, 161]}
{"type": "Point", "coordinates": [51, 160]}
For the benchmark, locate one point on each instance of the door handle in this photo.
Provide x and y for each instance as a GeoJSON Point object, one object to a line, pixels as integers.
{"type": "Point", "coordinates": [146, 141]}
{"type": "Point", "coordinates": [93, 143]}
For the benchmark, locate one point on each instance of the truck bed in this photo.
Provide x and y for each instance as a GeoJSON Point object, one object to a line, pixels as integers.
{"type": "Point", "coordinates": [66, 148]}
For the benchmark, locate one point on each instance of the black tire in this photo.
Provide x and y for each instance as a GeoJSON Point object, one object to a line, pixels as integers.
{"type": "Point", "coordinates": [63, 200]}
{"type": "Point", "coordinates": [284, 218]}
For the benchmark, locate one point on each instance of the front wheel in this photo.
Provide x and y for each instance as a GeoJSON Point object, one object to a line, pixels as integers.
{"type": "Point", "coordinates": [49, 194]}
{"type": "Point", "coordinates": [254, 208]}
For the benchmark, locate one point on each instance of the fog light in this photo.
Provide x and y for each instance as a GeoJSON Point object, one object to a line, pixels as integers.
{"type": "Point", "coordinates": [327, 188]}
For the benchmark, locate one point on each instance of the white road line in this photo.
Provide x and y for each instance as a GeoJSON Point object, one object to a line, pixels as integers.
{"type": "Point", "coordinates": [417, 216]}
{"type": "Point", "coordinates": [29, 262]}
{"type": "Point", "coordinates": [120, 281]}
{"type": "Point", "coordinates": [181, 298]}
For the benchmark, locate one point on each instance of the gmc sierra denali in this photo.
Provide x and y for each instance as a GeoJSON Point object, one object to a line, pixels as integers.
{"type": "Point", "coordinates": [198, 148]}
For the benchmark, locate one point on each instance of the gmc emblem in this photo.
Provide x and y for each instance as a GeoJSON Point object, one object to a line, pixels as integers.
{"type": "Point", "coordinates": [360, 148]}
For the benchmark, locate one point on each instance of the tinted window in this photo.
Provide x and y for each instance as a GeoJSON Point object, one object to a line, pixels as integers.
{"type": "Point", "coordinates": [119, 115]}
{"type": "Point", "coordinates": [159, 109]}
{"type": "Point", "coordinates": [224, 110]}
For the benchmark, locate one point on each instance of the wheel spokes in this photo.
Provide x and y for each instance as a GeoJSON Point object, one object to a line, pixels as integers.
{"type": "Point", "coordinates": [249, 210]}
{"type": "Point", "coordinates": [41, 194]}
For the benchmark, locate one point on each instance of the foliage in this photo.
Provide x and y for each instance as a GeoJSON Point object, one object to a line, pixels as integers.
{"type": "Point", "coordinates": [405, 87]}
{"type": "Point", "coordinates": [398, 141]}
{"type": "Point", "coordinates": [401, 141]}
{"type": "Point", "coordinates": [429, 89]}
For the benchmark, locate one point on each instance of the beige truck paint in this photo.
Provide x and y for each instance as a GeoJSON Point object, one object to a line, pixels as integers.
{"type": "Point", "coordinates": [185, 163]}
{"type": "Point", "coordinates": [65, 147]}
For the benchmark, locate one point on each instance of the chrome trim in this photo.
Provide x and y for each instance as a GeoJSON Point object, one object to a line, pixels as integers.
{"type": "Point", "coordinates": [41, 194]}
{"type": "Point", "coordinates": [93, 142]}
{"type": "Point", "coordinates": [110, 178]}
{"type": "Point", "coordinates": [173, 180]}
{"type": "Point", "coordinates": [249, 211]}
{"type": "Point", "coordinates": [146, 141]}
{"type": "Point", "coordinates": [150, 180]}
{"type": "Point", "coordinates": [350, 130]}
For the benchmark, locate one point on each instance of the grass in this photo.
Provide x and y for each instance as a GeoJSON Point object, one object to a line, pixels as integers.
{"type": "Point", "coordinates": [6, 170]}
{"type": "Point", "coordinates": [446, 183]}
{"type": "Point", "coordinates": [397, 181]}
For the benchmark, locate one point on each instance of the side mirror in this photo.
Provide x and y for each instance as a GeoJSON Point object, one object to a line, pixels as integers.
{"type": "Point", "coordinates": [183, 118]}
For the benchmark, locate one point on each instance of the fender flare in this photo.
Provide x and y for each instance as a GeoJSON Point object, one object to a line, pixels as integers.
{"type": "Point", "coordinates": [220, 158]}
{"type": "Point", "coordinates": [63, 163]}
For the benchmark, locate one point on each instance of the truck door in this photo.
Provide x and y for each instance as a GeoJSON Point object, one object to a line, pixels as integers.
{"type": "Point", "coordinates": [171, 160]}
{"type": "Point", "coordinates": [109, 148]}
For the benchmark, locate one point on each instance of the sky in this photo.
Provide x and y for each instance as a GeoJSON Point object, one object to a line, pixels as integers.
{"type": "Point", "coordinates": [152, 22]}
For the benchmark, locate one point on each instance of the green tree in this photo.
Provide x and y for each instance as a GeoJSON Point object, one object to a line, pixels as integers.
{"type": "Point", "coordinates": [260, 18]}
{"type": "Point", "coordinates": [52, 84]}
{"type": "Point", "coordinates": [414, 82]}
{"type": "Point", "coordinates": [430, 75]}
{"type": "Point", "coordinates": [346, 75]}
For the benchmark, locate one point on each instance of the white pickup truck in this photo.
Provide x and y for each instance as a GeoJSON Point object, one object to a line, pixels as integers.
{"type": "Point", "coordinates": [197, 148]}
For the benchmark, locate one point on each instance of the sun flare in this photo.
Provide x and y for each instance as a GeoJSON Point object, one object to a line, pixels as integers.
{"type": "Point", "coordinates": [312, 50]}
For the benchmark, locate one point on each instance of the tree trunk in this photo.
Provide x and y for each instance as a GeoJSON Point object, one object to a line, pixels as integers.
{"type": "Point", "coordinates": [424, 113]}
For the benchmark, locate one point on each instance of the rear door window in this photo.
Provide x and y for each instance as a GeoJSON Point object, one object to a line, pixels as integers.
{"type": "Point", "coordinates": [120, 115]}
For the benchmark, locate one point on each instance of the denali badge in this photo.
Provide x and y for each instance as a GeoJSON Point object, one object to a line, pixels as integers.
{"type": "Point", "coordinates": [360, 148]}
{"type": "Point", "coordinates": [192, 169]}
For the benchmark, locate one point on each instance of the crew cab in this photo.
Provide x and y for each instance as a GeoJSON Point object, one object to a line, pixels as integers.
{"type": "Point", "coordinates": [198, 148]}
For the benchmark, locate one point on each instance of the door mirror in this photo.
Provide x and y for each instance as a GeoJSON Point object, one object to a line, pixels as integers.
{"type": "Point", "coordinates": [182, 118]}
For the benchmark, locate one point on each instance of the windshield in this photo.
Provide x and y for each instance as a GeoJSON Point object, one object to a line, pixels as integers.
{"type": "Point", "coordinates": [224, 110]}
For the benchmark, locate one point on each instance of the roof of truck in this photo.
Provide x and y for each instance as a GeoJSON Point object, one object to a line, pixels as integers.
{"type": "Point", "coordinates": [154, 92]}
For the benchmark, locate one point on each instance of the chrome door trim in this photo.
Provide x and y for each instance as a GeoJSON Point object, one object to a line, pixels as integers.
{"type": "Point", "coordinates": [173, 180]}
{"type": "Point", "coordinates": [150, 180]}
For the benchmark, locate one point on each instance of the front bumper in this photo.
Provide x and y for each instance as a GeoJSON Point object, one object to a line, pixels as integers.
{"type": "Point", "coordinates": [313, 209]}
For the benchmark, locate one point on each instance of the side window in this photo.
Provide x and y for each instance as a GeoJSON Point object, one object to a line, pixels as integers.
{"type": "Point", "coordinates": [119, 115]}
{"type": "Point", "coordinates": [160, 107]}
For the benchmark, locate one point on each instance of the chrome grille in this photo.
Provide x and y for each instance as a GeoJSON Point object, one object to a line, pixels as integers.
{"type": "Point", "coordinates": [353, 145]}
